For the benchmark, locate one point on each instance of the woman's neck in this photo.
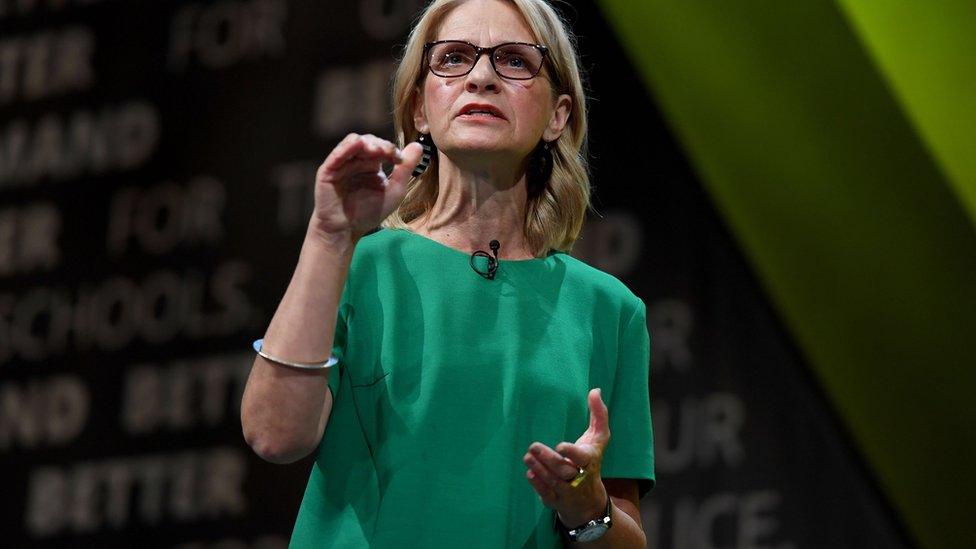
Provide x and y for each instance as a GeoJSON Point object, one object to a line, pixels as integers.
{"type": "Point", "coordinates": [475, 206]}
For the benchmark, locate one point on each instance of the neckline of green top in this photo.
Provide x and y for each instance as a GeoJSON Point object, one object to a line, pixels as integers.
{"type": "Point", "coordinates": [440, 245]}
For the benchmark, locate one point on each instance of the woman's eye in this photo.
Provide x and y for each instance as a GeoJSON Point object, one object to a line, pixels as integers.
{"type": "Point", "coordinates": [511, 60]}
{"type": "Point", "coordinates": [453, 59]}
{"type": "Point", "coordinates": [516, 62]}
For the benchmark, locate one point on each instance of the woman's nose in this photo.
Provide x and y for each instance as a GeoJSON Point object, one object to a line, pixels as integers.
{"type": "Point", "coordinates": [482, 75]}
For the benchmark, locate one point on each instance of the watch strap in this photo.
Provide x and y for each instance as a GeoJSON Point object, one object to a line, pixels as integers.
{"type": "Point", "coordinates": [573, 534]}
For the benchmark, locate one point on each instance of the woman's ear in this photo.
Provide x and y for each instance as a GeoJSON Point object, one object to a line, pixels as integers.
{"type": "Point", "coordinates": [559, 119]}
{"type": "Point", "coordinates": [419, 116]}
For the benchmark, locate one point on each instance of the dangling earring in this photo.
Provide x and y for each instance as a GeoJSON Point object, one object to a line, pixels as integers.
{"type": "Point", "coordinates": [540, 168]}
{"type": "Point", "coordinates": [429, 151]}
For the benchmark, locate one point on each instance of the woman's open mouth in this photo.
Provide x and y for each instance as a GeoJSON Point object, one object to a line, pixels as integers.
{"type": "Point", "coordinates": [480, 111]}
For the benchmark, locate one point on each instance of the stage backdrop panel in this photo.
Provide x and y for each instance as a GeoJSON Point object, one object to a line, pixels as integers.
{"type": "Point", "coordinates": [156, 168]}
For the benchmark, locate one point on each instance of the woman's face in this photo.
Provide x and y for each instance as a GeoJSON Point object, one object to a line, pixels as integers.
{"type": "Point", "coordinates": [528, 110]}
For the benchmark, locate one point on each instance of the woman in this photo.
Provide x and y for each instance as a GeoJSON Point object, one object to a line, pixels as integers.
{"type": "Point", "coordinates": [465, 405]}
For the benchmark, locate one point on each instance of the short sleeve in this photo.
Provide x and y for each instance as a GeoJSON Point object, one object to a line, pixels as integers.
{"type": "Point", "coordinates": [630, 452]}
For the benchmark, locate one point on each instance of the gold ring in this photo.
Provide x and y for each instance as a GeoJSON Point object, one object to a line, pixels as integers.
{"type": "Point", "coordinates": [578, 478]}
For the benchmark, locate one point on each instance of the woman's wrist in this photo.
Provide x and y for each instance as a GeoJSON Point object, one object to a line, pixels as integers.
{"type": "Point", "coordinates": [572, 519]}
{"type": "Point", "coordinates": [335, 243]}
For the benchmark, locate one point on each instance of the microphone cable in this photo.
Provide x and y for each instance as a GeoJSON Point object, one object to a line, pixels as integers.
{"type": "Point", "coordinates": [492, 261]}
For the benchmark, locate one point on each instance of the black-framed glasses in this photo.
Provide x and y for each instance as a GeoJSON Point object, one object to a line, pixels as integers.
{"type": "Point", "coordinates": [512, 60]}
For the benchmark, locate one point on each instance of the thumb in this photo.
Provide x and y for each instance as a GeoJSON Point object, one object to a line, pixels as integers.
{"type": "Point", "coordinates": [599, 416]}
{"type": "Point", "coordinates": [402, 172]}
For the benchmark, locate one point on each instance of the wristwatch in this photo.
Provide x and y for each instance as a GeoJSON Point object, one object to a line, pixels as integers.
{"type": "Point", "coordinates": [591, 530]}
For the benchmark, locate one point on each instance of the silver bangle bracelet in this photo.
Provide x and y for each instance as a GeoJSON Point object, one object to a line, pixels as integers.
{"type": "Point", "coordinates": [259, 343]}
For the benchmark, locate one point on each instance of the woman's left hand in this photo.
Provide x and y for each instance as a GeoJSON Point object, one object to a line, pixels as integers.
{"type": "Point", "coordinates": [551, 471]}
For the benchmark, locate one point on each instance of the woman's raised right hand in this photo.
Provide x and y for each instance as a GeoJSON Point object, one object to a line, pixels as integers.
{"type": "Point", "coordinates": [352, 192]}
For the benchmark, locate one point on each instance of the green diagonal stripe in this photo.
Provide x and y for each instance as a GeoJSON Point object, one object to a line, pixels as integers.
{"type": "Point", "coordinates": [926, 52]}
{"type": "Point", "coordinates": [848, 219]}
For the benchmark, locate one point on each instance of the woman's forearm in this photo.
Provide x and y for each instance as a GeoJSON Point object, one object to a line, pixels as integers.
{"type": "Point", "coordinates": [284, 410]}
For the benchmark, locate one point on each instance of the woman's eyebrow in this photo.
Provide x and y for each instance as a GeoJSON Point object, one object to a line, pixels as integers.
{"type": "Point", "coordinates": [494, 42]}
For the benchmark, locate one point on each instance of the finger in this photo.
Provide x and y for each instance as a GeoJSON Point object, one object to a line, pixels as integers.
{"type": "Point", "coordinates": [599, 416]}
{"type": "Point", "coordinates": [556, 462]}
{"type": "Point", "coordinates": [376, 149]}
{"type": "Point", "coordinates": [367, 180]}
{"type": "Point", "coordinates": [576, 454]}
{"type": "Point", "coordinates": [387, 149]}
{"type": "Point", "coordinates": [544, 492]}
{"type": "Point", "coordinates": [541, 471]}
{"type": "Point", "coordinates": [355, 148]}
{"type": "Point", "coordinates": [411, 157]}
{"type": "Point", "coordinates": [401, 173]}
{"type": "Point", "coordinates": [342, 152]}
{"type": "Point", "coordinates": [357, 168]}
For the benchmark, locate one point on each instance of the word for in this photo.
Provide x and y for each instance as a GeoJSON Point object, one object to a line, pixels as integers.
{"type": "Point", "coordinates": [109, 315]}
{"type": "Point", "coordinates": [353, 99]}
{"type": "Point", "coordinates": [160, 217]}
{"type": "Point", "coordinates": [29, 238]}
{"type": "Point", "coordinates": [92, 496]}
{"type": "Point", "coordinates": [46, 64]}
{"type": "Point", "coordinates": [720, 521]}
{"type": "Point", "coordinates": [50, 412]}
{"type": "Point", "coordinates": [222, 34]}
{"type": "Point", "coordinates": [184, 394]}
{"type": "Point", "coordinates": [698, 431]}
{"type": "Point", "coordinates": [58, 147]}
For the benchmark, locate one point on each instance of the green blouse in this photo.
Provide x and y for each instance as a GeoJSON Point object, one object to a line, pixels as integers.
{"type": "Point", "coordinates": [445, 378]}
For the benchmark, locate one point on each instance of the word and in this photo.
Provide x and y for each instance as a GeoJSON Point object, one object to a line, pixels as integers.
{"type": "Point", "coordinates": [57, 147]}
{"type": "Point", "coordinates": [42, 412]}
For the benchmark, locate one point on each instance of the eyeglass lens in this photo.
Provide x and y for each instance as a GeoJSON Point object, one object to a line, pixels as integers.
{"type": "Point", "coordinates": [515, 61]}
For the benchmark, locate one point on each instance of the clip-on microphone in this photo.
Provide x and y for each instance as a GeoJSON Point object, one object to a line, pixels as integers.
{"type": "Point", "coordinates": [492, 261]}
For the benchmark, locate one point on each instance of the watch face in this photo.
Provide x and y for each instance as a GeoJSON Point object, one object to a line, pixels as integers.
{"type": "Point", "coordinates": [593, 532]}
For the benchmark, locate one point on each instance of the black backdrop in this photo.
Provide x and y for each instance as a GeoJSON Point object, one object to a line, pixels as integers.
{"type": "Point", "coordinates": [156, 161]}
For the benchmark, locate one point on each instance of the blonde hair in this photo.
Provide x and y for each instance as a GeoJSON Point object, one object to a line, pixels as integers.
{"type": "Point", "coordinates": [554, 216]}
